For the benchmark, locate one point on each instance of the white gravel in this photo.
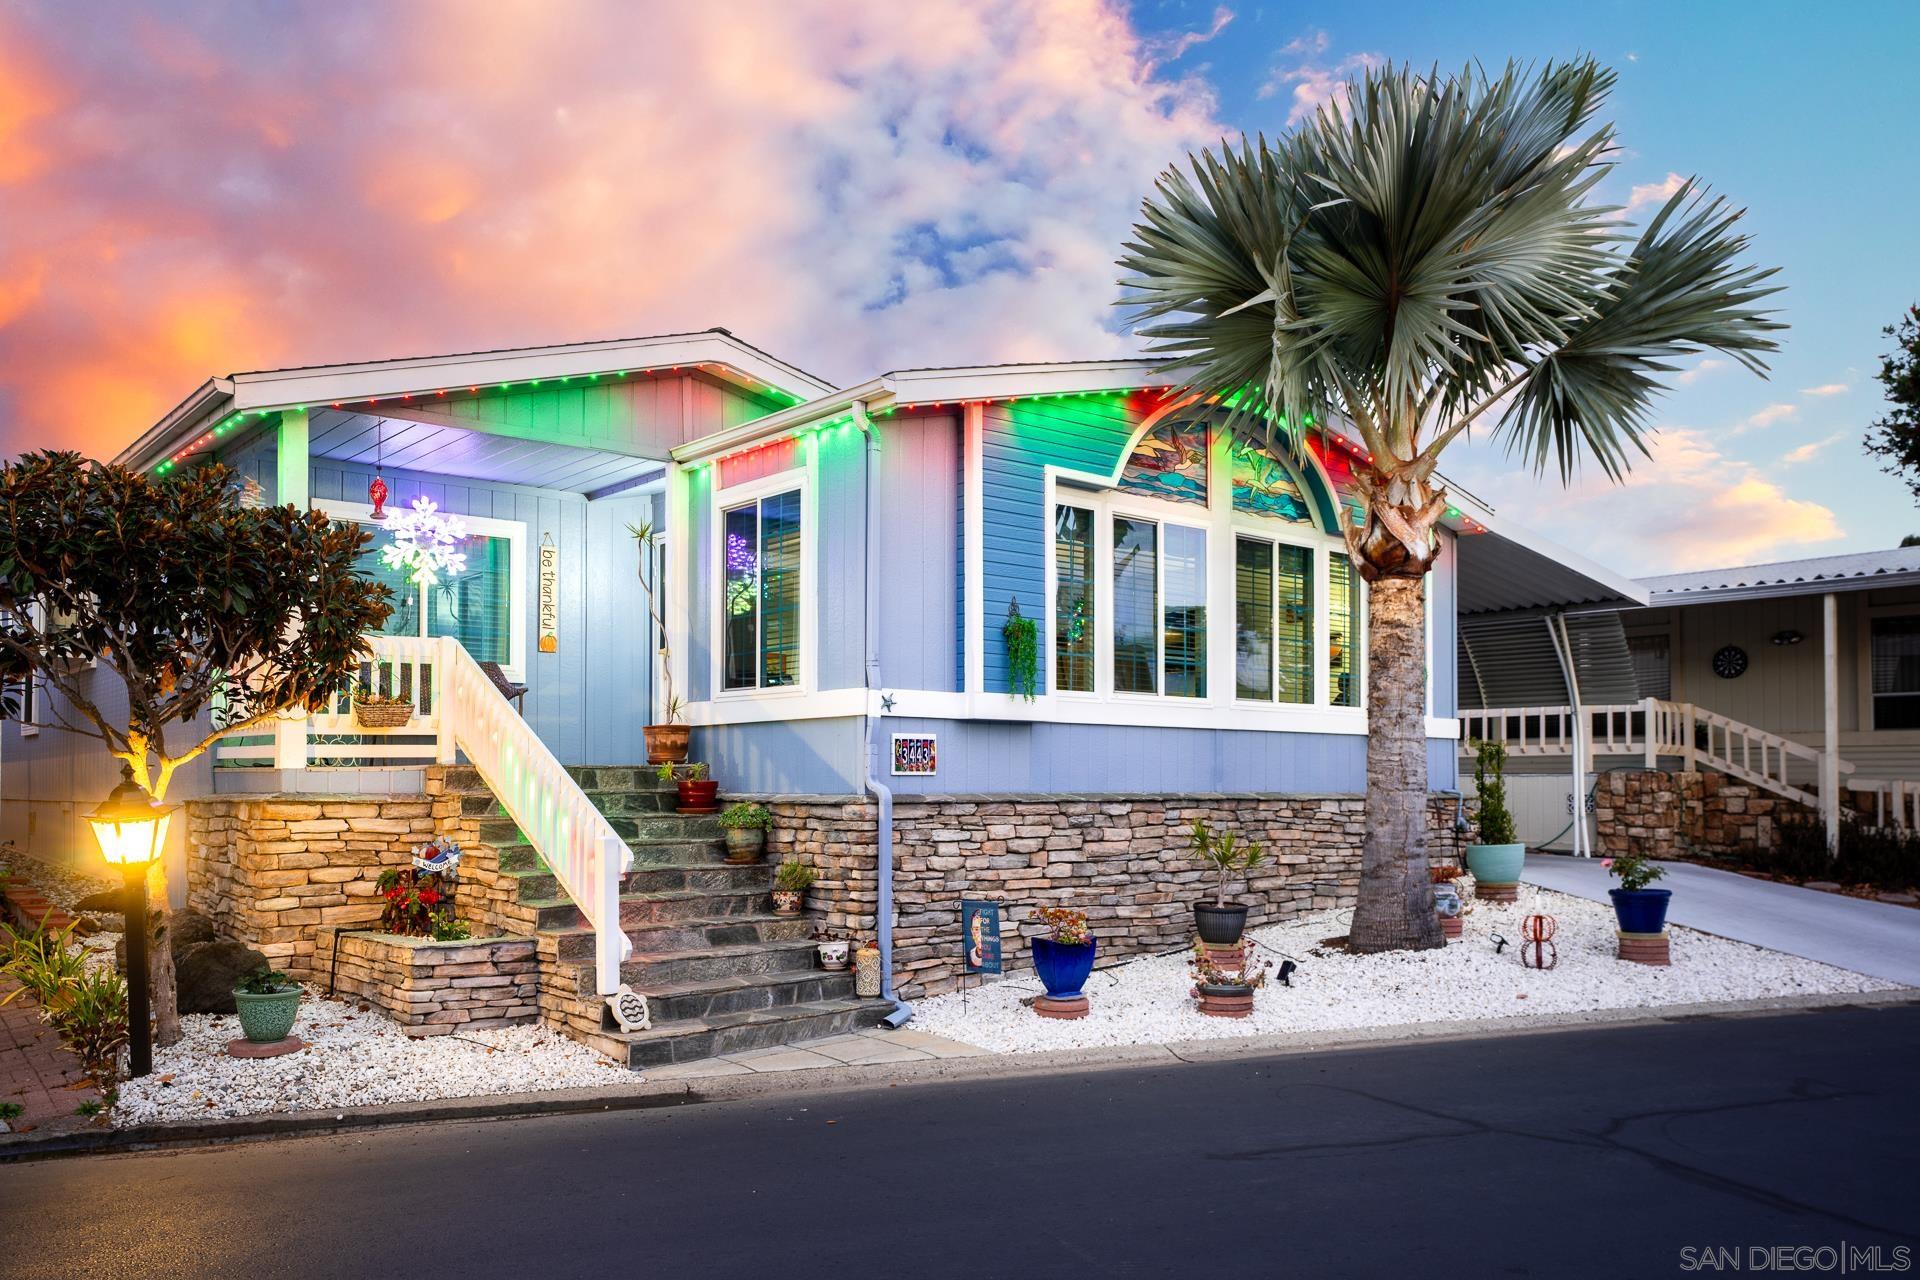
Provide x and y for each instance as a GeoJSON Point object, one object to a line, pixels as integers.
{"type": "Point", "coordinates": [351, 1059]}
{"type": "Point", "coordinates": [1148, 1001]}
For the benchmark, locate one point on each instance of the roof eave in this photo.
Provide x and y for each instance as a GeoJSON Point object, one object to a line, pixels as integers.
{"type": "Point", "coordinates": [210, 399]}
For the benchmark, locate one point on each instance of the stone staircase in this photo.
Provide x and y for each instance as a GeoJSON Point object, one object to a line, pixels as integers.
{"type": "Point", "coordinates": [720, 971]}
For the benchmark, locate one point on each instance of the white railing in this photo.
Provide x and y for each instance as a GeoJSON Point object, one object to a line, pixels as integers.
{"type": "Point", "coordinates": [457, 710]}
{"type": "Point", "coordinates": [1896, 802]}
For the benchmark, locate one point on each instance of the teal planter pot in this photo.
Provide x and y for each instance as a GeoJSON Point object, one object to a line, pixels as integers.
{"type": "Point", "coordinates": [265, 1019]}
{"type": "Point", "coordinates": [1496, 863]}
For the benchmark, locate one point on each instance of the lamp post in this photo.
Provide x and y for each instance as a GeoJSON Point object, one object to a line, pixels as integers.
{"type": "Point", "coordinates": [132, 829]}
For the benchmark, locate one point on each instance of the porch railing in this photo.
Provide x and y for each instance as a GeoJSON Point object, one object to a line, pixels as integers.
{"type": "Point", "coordinates": [457, 711]}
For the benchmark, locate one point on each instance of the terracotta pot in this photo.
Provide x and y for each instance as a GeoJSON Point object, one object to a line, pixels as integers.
{"type": "Point", "coordinates": [667, 743]}
{"type": "Point", "coordinates": [699, 795]}
{"type": "Point", "coordinates": [1224, 1000]}
{"type": "Point", "coordinates": [786, 902]}
{"type": "Point", "coordinates": [1451, 927]}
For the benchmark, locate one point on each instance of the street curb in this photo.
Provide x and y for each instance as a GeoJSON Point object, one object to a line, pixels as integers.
{"type": "Point", "coordinates": [645, 1095]}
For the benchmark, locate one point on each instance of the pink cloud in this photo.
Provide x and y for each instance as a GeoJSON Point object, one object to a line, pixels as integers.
{"type": "Point", "coordinates": [1308, 83]}
{"type": "Point", "coordinates": [1654, 192]}
{"type": "Point", "coordinates": [855, 186]}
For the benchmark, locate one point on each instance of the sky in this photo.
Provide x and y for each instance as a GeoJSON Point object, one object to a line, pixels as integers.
{"type": "Point", "coordinates": [198, 188]}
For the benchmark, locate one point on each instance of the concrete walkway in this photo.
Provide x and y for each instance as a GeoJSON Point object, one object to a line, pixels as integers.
{"type": "Point", "coordinates": [1875, 938]}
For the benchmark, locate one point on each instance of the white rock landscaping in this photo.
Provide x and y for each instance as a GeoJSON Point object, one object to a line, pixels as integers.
{"type": "Point", "coordinates": [1146, 1001]}
{"type": "Point", "coordinates": [351, 1059]}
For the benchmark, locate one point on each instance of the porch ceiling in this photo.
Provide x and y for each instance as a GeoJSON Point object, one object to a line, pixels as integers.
{"type": "Point", "coordinates": [405, 445]}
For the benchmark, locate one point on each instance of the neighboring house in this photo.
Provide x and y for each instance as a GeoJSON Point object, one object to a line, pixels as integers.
{"type": "Point", "coordinates": [1780, 667]}
{"type": "Point", "coordinates": [840, 567]}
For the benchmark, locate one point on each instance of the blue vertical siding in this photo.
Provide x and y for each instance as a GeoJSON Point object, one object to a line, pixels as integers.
{"type": "Point", "coordinates": [796, 757]}
{"type": "Point", "coordinates": [920, 646]}
{"type": "Point", "coordinates": [695, 559]}
{"type": "Point", "coordinates": [840, 578]}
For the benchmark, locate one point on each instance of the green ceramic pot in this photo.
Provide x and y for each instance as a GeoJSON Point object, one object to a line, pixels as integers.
{"type": "Point", "coordinates": [265, 1019]}
{"type": "Point", "coordinates": [1496, 863]}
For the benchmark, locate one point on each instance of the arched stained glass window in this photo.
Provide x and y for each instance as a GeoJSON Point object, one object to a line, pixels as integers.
{"type": "Point", "coordinates": [1340, 468]}
{"type": "Point", "coordinates": [1170, 462]}
{"type": "Point", "coordinates": [1265, 486]}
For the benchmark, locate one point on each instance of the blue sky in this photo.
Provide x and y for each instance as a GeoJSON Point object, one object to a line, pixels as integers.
{"type": "Point", "coordinates": [1803, 114]}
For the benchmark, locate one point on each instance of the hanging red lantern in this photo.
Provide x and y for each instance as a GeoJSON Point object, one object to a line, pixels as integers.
{"type": "Point", "coordinates": [377, 494]}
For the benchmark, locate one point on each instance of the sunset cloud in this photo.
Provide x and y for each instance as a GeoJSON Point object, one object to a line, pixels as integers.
{"type": "Point", "coordinates": [1811, 450]}
{"type": "Point", "coordinates": [854, 186]}
{"type": "Point", "coordinates": [1655, 192]}
{"type": "Point", "coordinates": [1825, 389]}
{"type": "Point", "coordinates": [1308, 83]}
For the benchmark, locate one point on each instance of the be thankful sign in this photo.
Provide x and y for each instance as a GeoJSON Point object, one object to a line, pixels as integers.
{"type": "Point", "coordinates": [549, 598]}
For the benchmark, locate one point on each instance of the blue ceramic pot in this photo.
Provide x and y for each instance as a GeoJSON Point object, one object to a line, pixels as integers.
{"type": "Point", "coordinates": [1063, 967]}
{"type": "Point", "coordinates": [1641, 910]}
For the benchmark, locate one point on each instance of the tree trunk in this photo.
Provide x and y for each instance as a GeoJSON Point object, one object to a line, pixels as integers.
{"type": "Point", "coordinates": [1395, 909]}
{"type": "Point", "coordinates": [163, 987]}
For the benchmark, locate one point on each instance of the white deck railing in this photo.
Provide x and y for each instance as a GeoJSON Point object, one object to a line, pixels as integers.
{"type": "Point", "coordinates": [457, 711]}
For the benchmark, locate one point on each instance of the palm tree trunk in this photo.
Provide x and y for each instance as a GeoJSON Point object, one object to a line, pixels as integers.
{"type": "Point", "coordinates": [1395, 907]}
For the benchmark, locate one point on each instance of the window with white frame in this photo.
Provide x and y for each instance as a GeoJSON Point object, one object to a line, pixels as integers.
{"type": "Point", "coordinates": [1136, 574]}
{"type": "Point", "coordinates": [483, 606]}
{"type": "Point", "coordinates": [760, 593]}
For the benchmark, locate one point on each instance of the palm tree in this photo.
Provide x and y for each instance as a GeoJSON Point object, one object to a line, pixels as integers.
{"type": "Point", "coordinates": [1419, 258]}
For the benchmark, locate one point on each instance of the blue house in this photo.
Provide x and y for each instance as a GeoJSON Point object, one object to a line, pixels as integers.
{"type": "Point", "coordinates": [840, 566]}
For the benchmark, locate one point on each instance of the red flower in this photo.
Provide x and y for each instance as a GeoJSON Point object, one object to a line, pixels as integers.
{"type": "Point", "coordinates": [429, 896]}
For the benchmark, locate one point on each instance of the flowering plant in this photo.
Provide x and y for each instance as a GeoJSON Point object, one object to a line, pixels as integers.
{"type": "Point", "coordinates": [1635, 872]}
{"type": "Point", "coordinates": [414, 900]}
{"type": "Point", "coordinates": [1209, 972]}
{"type": "Point", "coordinates": [423, 543]}
{"type": "Point", "coordinates": [1065, 925]}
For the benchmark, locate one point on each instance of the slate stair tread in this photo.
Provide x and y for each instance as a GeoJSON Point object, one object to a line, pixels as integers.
{"type": "Point", "coordinates": [693, 1038]}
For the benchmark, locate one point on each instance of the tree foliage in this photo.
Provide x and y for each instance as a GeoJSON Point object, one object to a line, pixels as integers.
{"type": "Point", "coordinates": [181, 592]}
{"type": "Point", "coordinates": [1896, 436]}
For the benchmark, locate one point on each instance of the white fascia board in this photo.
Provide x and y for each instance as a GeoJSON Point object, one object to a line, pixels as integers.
{"type": "Point", "coordinates": [1472, 509]}
{"type": "Point", "coordinates": [210, 400]}
{"type": "Point", "coordinates": [876, 394]}
{"type": "Point", "coordinates": [1007, 382]}
{"type": "Point", "coordinates": [727, 357]}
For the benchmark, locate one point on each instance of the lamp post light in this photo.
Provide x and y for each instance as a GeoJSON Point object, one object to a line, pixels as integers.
{"type": "Point", "coordinates": [132, 830]}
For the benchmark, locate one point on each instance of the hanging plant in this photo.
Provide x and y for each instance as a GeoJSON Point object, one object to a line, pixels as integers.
{"type": "Point", "coordinates": [423, 543]}
{"type": "Point", "coordinates": [1023, 654]}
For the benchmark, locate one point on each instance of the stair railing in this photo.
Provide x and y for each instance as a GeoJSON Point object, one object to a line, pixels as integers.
{"type": "Point", "coordinates": [572, 837]}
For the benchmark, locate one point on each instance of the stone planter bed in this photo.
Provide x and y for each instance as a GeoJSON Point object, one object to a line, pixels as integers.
{"type": "Point", "coordinates": [1146, 1001]}
{"type": "Point", "coordinates": [352, 1058]}
{"type": "Point", "coordinates": [435, 988]}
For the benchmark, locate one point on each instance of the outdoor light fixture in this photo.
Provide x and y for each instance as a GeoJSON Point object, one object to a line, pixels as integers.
{"type": "Point", "coordinates": [132, 830]}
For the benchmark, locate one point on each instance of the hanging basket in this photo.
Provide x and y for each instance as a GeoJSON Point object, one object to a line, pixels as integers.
{"type": "Point", "coordinates": [382, 715]}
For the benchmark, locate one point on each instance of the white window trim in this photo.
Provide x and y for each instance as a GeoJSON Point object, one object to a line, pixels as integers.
{"type": "Point", "coordinates": [1863, 630]}
{"type": "Point", "coordinates": [515, 533]}
{"type": "Point", "coordinates": [794, 479]}
{"type": "Point", "coordinates": [1102, 495]}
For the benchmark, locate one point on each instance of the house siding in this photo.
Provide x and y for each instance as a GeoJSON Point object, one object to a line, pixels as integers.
{"type": "Point", "coordinates": [920, 584]}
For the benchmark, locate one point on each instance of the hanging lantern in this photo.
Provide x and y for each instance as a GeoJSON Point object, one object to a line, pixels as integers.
{"type": "Point", "coordinates": [377, 494]}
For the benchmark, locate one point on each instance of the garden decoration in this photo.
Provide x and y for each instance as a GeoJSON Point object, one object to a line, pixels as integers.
{"type": "Point", "coordinates": [1023, 653]}
{"type": "Point", "coordinates": [1225, 991]}
{"type": "Point", "coordinates": [1640, 911]}
{"type": "Point", "coordinates": [1219, 922]}
{"type": "Point", "coordinates": [1497, 859]}
{"type": "Point", "coordinates": [630, 1009]}
{"type": "Point", "coordinates": [1536, 942]}
{"type": "Point", "coordinates": [267, 1001]}
{"type": "Point", "coordinates": [790, 884]}
{"type": "Point", "coordinates": [667, 742]}
{"type": "Point", "coordinates": [375, 710]}
{"type": "Point", "coordinates": [439, 856]}
{"type": "Point", "coordinates": [1062, 958]}
{"type": "Point", "coordinates": [866, 970]}
{"type": "Point", "coordinates": [745, 826]}
{"type": "Point", "coordinates": [1446, 902]}
{"type": "Point", "coordinates": [422, 543]}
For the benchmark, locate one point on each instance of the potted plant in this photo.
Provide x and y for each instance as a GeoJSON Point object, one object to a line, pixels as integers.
{"type": "Point", "coordinates": [833, 949]}
{"type": "Point", "coordinates": [790, 885]}
{"type": "Point", "coordinates": [1062, 958]}
{"type": "Point", "coordinates": [1496, 861]}
{"type": "Point", "coordinates": [267, 1001]}
{"type": "Point", "coordinates": [1220, 922]}
{"type": "Point", "coordinates": [745, 825]}
{"type": "Point", "coordinates": [1640, 911]}
{"type": "Point", "coordinates": [1225, 990]}
{"type": "Point", "coordinates": [666, 742]}
{"type": "Point", "coordinates": [375, 710]}
{"type": "Point", "coordinates": [697, 792]}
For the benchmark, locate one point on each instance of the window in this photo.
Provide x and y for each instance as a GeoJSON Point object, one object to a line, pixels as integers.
{"type": "Point", "coordinates": [760, 593]}
{"type": "Point", "coordinates": [1073, 599]}
{"type": "Point", "coordinates": [1170, 462]}
{"type": "Point", "coordinates": [1652, 665]}
{"type": "Point", "coordinates": [1185, 623]}
{"type": "Point", "coordinates": [1159, 608]}
{"type": "Point", "coordinates": [1265, 486]}
{"type": "Point", "coordinates": [1136, 605]}
{"type": "Point", "coordinates": [1343, 632]}
{"type": "Point", "coordinates": [1895, 663]}
{"type": "Point", "coordinates": [483, 606]}
{"type": "Point", "coordinates": [1273, 616]}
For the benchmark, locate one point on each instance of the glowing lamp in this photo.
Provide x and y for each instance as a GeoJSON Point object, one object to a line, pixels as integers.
{"type": "Point", "coordinates": [130, 827]}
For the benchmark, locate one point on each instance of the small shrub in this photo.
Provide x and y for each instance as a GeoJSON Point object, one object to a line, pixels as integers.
{"type": "Point", "coordinates": [1065, 925]}
{"type": "Point", "coordinates": [1884, 857]}
{"type": "Point", "coordinates": [11, 1110]}
{"type": "Point", "coordinates": [1224, 853]}
{"type": "Point", "coordinates": [413, 897]}
{"type": "Point", "coordinates": [446, 928]}
{"type": "Point", "coordinates": [89, 1108]}
{"type": "Point", "coordinates": [1490, 790]}
{"type": "Point", "coordinates": [1635, 872]}
{"type": "Point", "coordinates": [746, 816]}
{"type": "Point", "coordinates": [267, 982]}
{"type": "Point", "coordinates": [793, 877]}
{"type": "Point", "coordinates": [45, 962]}
{"type": "Point", "coordinates": [92, 1018]}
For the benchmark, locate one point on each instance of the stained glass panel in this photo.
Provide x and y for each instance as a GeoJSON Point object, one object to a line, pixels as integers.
{"type": "Point", "coordinates": [1169, 462]}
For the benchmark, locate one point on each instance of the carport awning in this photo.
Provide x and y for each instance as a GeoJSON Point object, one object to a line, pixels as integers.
{"type": "Point", "coordinates": [1508, 660]}
{"type": "Point", "coordinates": [1508, 568]}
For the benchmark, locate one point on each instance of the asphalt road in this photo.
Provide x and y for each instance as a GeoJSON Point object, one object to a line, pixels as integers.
{"type": "Point", "coordinates": [1580, 1153]}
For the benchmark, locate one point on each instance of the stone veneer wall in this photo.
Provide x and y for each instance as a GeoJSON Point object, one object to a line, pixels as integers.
{"type": "Point", "coordinates": [273, 870]}
{"type": "Point", "coordinates": [1121, 859]}
{"type": "Point", "coordinates": [1674, 815]}
{"type": "Point", "coordinates": [435, 988]}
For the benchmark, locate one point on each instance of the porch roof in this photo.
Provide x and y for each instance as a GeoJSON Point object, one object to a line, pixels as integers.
{"type": "Point", "coordinates": [1895, 567]}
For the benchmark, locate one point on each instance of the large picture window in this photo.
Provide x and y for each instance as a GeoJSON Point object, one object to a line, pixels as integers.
{"type": "Point", "coordinates": [1895, 663]}
{"type": "Point", "coordinates": [760, 593]}
{"type": "Point", "coordinates": [1073, 599]}
{"type": "Point", "coordinates": [1273, 619]}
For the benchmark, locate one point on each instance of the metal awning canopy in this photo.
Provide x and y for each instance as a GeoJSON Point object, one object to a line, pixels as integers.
{"type": "Point", "coordinates": [1504, 567]}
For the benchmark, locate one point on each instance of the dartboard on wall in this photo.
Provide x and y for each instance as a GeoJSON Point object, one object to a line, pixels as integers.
{"type": "Point", "coordinates": [1730, 662]}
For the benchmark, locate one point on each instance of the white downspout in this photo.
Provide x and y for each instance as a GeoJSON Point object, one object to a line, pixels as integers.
{"type": "Point", "coordinates": [1563, 650]}
{"type": "Point", "coordinates": [882, 794]}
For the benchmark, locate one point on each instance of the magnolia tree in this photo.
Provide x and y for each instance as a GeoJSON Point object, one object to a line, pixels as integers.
{"type": "Point", "coordinates": [136, 602]}
{"type": "Point", "coordinates": [1423, 257]}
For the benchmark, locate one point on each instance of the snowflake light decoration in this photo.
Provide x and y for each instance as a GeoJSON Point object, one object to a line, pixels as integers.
{"type": "Point", "coordinates": [423, 543]}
